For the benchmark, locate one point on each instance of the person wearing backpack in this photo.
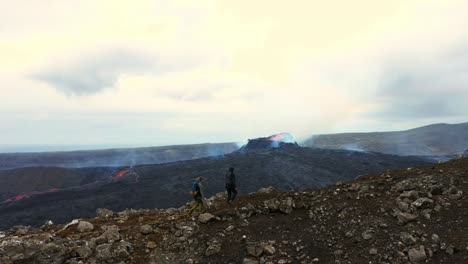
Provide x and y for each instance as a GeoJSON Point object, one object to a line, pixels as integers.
{"type": "Point", "coordinates": [198, 196]}
{"type": "Point", "coordinates": [230, 184]}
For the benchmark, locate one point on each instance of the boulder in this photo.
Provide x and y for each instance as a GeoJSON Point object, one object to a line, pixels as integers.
{"type": "Point", "coordinates": [422, 203]}
{"type": "Point", "coordinates": [83, 251]}
{"type": "Point", "coordinates": [412, 195]}
{"type": "Point", "coordinates": [146, 229]}
{"type": "Point", "coordinates": [404, 207]}
{"type": "Point", "coordinates": [269, 189]}
{"type": "Point", "coordinates": [103, 252]}
{"type": "Point", "coordinates": [287, 205]}
{"type": "Point", "coordinates": [272, 205]}
{"type": "Point", "coordinates": [417, 254]}
{"type": "Point", "coordinates": [205, 218]}
{"type": "Point", "coordinates": [404, 218]}
{"type": "Point", "coordinates": [104, 213]}
{"type": "Point", "coordinates": [111, 235]}
{"type": "Point", "coordinates": [84, 226]}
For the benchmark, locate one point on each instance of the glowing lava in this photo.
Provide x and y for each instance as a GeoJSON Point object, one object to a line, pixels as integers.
{"type": "Point", "coordinates": [17, 198]}
{"type": "Point", "coordinates": [276, 137]}
{"type": "Point", "coordinates": [26, 196]}
{"type": "Point", "coordinates": [120, 174]}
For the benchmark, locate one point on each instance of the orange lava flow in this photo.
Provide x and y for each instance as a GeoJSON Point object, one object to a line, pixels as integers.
{"type": "Point", "coordinates": [17, 198]}
{"type": "Point", "coordinates": [120, 174]}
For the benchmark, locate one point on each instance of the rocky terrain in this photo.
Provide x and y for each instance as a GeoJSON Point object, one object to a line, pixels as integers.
{"type": "Point", "coordinates": [114, 157]}
{"type": "Point", "coordinates": [432, 140]}
{"type": "Point", "coordinates": [289, 167]}
{"type": "Point", "coordinates": [408, 216]}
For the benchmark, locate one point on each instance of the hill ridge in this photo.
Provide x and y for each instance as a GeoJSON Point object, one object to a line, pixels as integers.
{"type": "Point", "coordinates": [431, 140]}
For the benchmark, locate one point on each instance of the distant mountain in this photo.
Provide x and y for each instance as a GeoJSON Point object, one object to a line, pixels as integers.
{"type": "Point", "coordinates": [432, 140]}
{"type": "Point", "coordinates": [114, 157]}
{"type": "Point", "coordinates": [167, 185]}
{"type": "Point", "coordinates": [465, 154]}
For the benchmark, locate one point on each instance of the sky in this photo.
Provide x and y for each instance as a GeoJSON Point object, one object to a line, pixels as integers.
{"type": "Point", "coordinates": [146, 73]}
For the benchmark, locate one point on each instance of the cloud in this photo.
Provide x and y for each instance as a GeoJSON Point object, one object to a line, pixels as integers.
{"type": "Point", "coordinates": [418, 89]}
{"type": "Point", "coordinates": [94, 73]}
{"type": "Point", "coordinates": [229, 70]}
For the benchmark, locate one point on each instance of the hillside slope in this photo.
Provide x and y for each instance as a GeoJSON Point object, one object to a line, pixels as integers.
{"type": "Point", "coordinates": [114, 157]}
{"type": "Point", "coordinates": [407, 216]}
{"type": "Point", "coordinates": [167, 185]}
{"type": "Point", "coordinates": [432, 140]}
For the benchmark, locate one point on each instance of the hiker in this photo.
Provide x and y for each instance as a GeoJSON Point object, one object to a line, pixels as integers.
{"type": "Point", "coordinates": [230, 184]}
{"type": "Point", "coordinates": [197, 193]}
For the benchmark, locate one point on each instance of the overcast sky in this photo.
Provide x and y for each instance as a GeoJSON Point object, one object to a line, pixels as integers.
{"type": "Point", "coordinates": [108, 72]}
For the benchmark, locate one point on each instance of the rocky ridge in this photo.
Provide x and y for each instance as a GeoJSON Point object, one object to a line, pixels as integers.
{"type": "Point", "coordinates": [411, 216]}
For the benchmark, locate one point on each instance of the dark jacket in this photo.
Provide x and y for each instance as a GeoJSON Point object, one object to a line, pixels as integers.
{"type": "Point", "coordinates": [230, 180]}
{"type": "Point", "coordinates": [197, 189]}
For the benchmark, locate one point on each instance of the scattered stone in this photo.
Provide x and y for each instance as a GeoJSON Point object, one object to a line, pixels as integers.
{"type": "Point", "coordinates": [368, 234]}
{"type": "Point", "coordinates": [338, 253]}
{"type": "Point", "coordinates": [269, 250]}
{"type": "Point", "coordinates": [450, 250]}
{"type": "Point", "coordinates": [255, 250]}
{"type": "Point", "coordinates": [407, 238]}
{"type": "Point", "coordinates": [250, 261]}
{"type": "Point", "coordinates": [151, 245]}
{"type": "Point", "coordinates": [213, 249]}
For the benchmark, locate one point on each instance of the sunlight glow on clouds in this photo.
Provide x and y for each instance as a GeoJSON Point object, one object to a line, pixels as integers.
{"type": "Point", "coordinates": [227, 70]}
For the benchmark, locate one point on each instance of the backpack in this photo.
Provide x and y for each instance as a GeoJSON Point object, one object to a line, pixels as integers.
{"type": "Point", "coordinates": [195, 188]}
